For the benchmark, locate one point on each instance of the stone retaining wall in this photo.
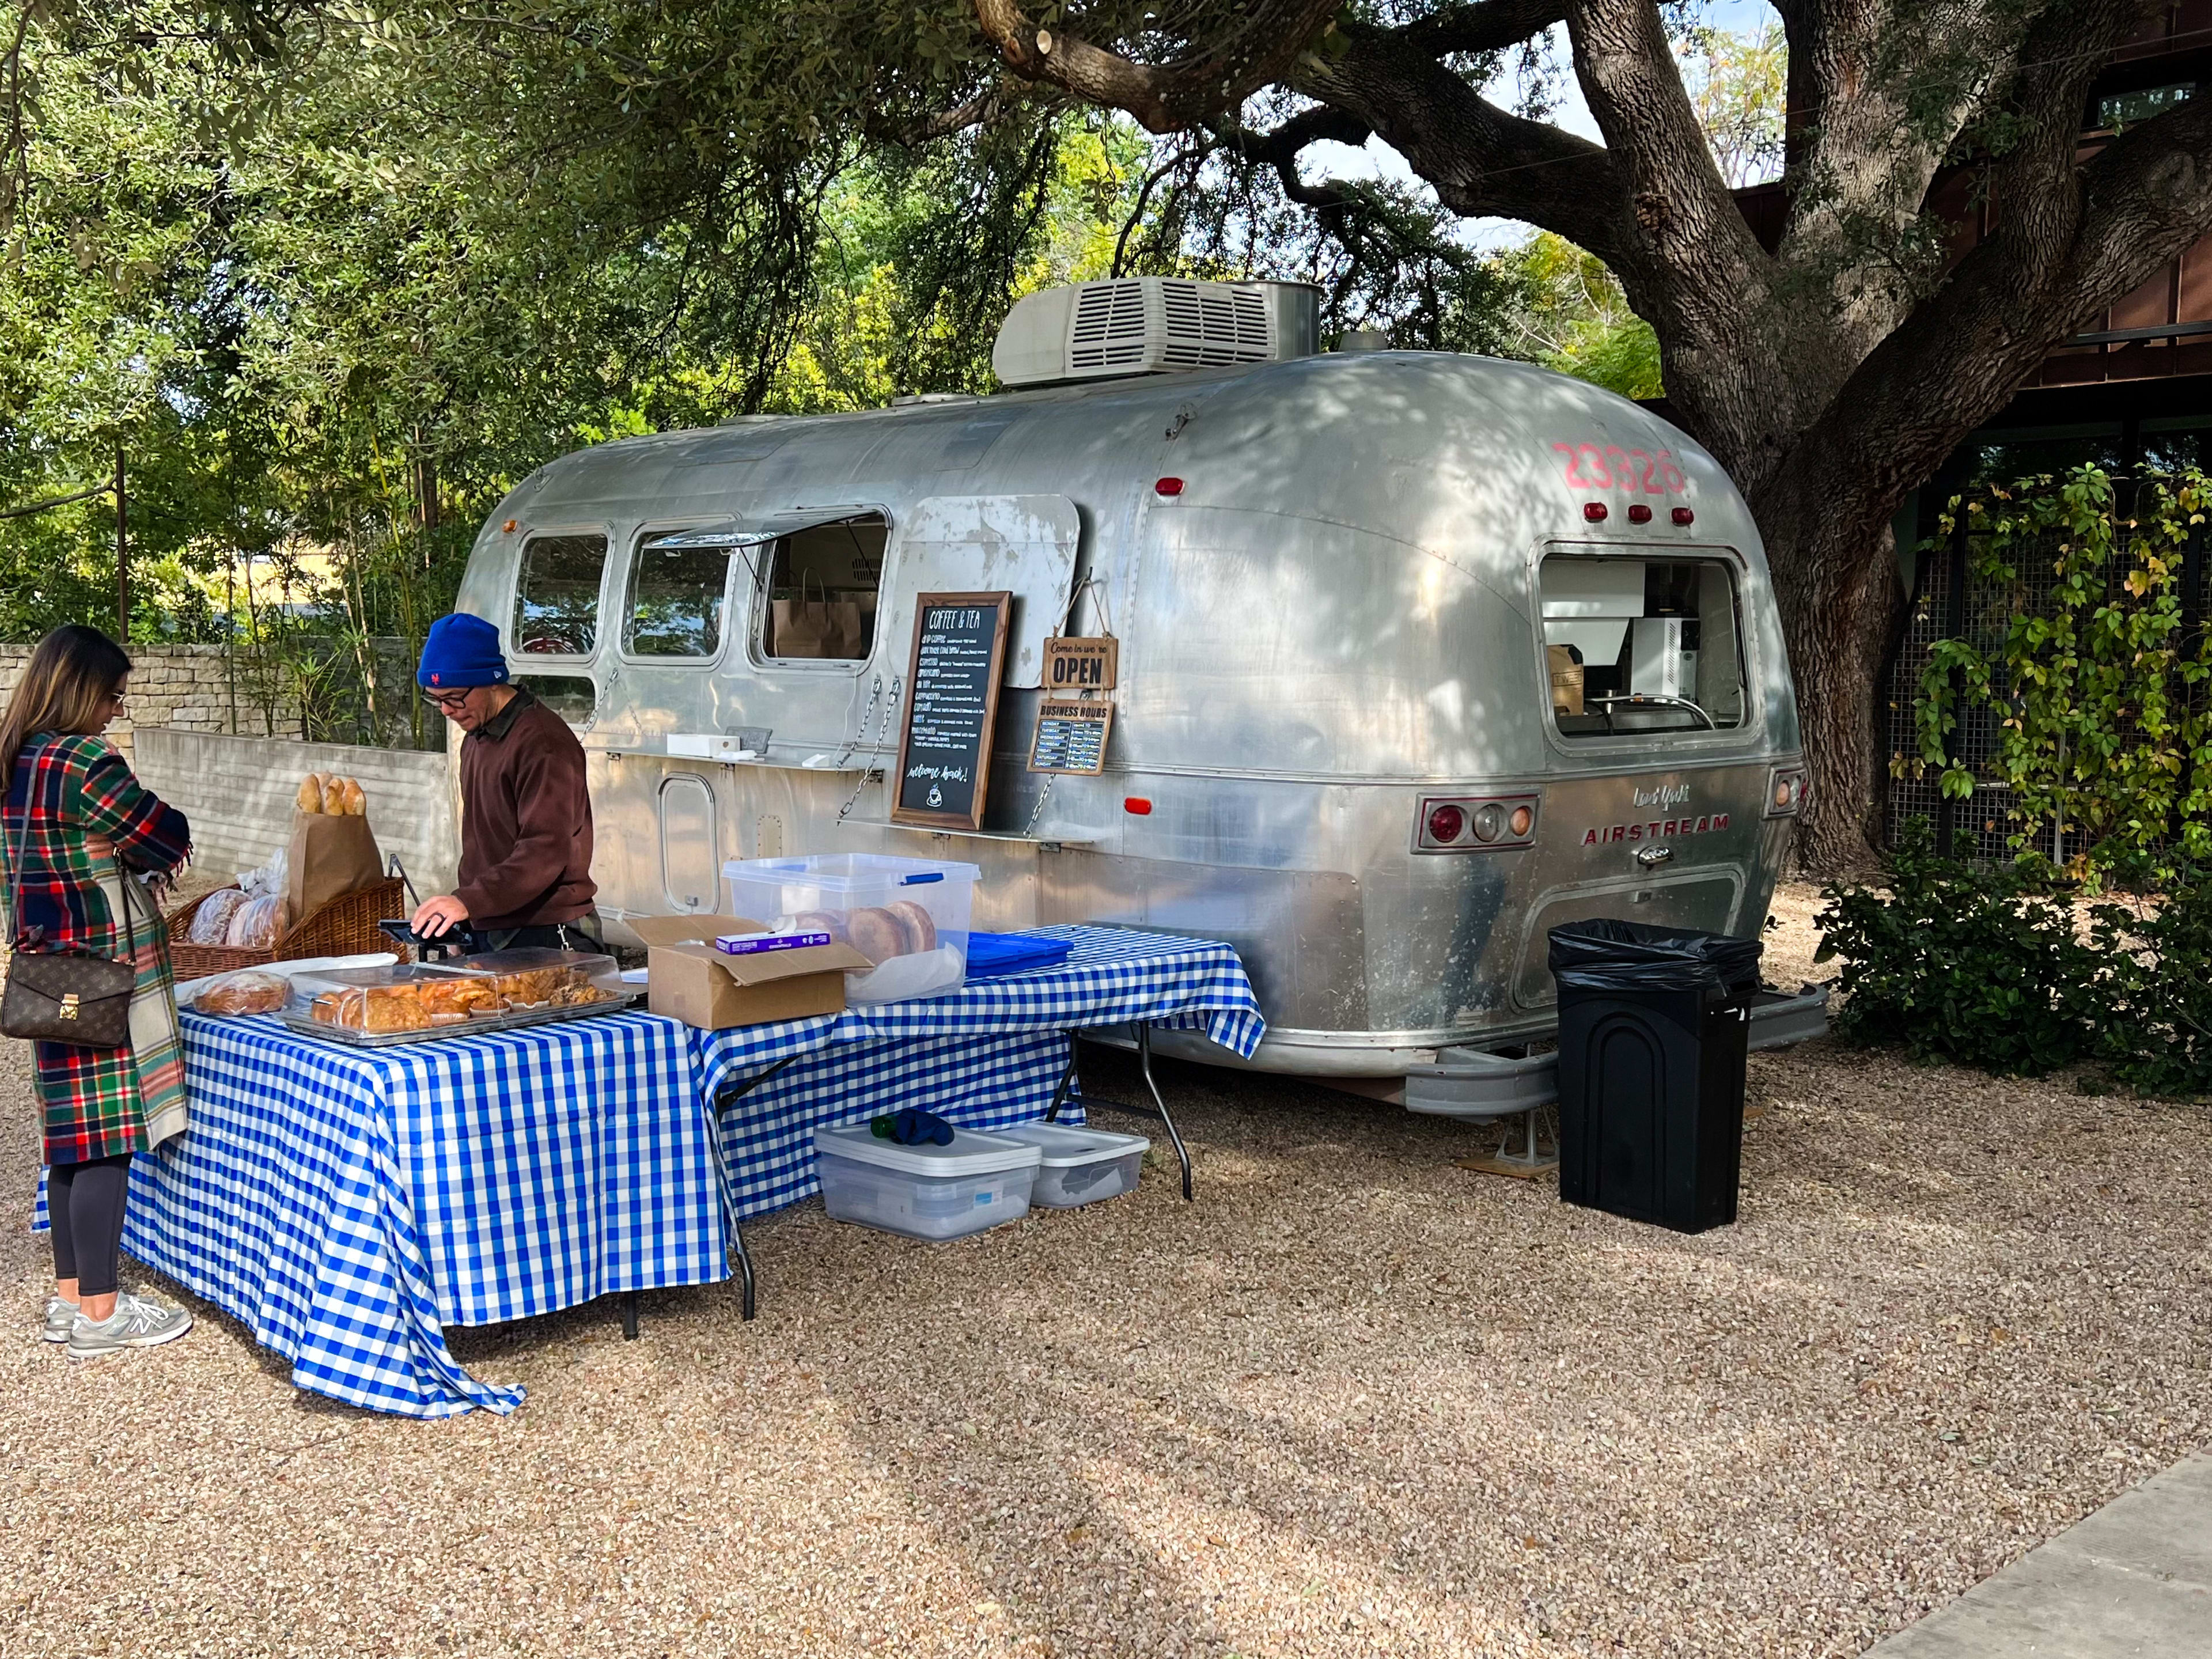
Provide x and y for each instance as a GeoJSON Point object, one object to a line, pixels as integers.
{"type": "Point", "coordinates": [186, 686]}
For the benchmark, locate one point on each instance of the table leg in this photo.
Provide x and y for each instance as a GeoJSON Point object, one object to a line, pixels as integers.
{"type": "Point", "coordinates": [1066, 1081]}
{"type": "Point", "coordinates": [630, 1301]}
{"type": "Point", "coordinates": [1145, 1061]}
{"type": "Point", "coordinates": [745, 1267]}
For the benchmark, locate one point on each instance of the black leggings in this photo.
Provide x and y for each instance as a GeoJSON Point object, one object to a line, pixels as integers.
{"type": "Point", "coordinates": [84, 1207]}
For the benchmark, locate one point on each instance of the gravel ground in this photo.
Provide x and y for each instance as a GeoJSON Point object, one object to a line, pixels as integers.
{"type": "Point", "coordinates": [1355, 1400]}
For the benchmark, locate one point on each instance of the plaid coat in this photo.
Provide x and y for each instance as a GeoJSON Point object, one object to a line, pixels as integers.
{"type": "Point", "coordinates": [96, 1100]}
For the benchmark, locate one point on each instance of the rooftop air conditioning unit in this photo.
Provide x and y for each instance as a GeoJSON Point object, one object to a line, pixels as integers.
{"type": "Point", "coordinates": [1150, 324]}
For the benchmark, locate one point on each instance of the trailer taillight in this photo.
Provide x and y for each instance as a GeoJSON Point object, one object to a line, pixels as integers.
{"type": "Point", "coordinates": [1475, 823]}
{"type": "Point", "coordinates": [1639, 514]}
{"type": "Point", "coordinates": [1167, 487]}
{"type": "Point", "coordinates": [1684, 516]}
{"type": "Point", "coordinates": [1785, 791]}
{"type": "Point", "coordinates": [1594, 512]}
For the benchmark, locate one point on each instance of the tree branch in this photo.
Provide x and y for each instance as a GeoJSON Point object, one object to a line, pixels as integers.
{"type": "Point", "coordinates": [1483, 26]}
{"type": "Point", "coordinates": [58, 500]}
{"type": "Point", "coordinates": [1163, 98]}
{"type": "Point", "coordinates": [1280, 148]}
{"type": "Point", "coordinates": [981, 110]}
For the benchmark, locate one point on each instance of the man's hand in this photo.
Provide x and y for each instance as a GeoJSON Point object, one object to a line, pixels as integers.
{"type": "Point", "coordinates": [438, 915]}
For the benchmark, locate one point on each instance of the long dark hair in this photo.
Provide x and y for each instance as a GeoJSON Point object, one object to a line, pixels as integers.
{"type": "Point", "coordinates": [65, 687]}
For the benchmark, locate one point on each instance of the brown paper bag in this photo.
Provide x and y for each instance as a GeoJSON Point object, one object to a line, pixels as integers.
{"type": "Point", "coordinates": [327, 856]}
{"type": "Point", "coordinates": [817, 626]}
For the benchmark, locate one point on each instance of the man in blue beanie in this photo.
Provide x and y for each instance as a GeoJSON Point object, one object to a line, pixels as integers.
{"type": "Point", "coordinates": [525, 817]}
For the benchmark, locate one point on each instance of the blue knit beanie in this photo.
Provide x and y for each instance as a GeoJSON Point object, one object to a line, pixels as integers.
{"type": "Point", "coordinates": [462, 651]}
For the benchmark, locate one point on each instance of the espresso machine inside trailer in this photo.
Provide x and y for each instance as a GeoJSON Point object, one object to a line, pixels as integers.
{"type": "Point", "coordinates": [1414, 655]}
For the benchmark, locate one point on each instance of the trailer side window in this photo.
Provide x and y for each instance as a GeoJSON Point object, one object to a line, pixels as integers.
{"type": "Point", "coordinates": [1642, 644]}
{"type": "Point", "coordinates": [822, 582]}
{"type": "Point", "coordinates": [676, 596]}
{"type": "Point", "coordinates": [572, 696]}
{"type": "Point", "coordinates": [556, 595]}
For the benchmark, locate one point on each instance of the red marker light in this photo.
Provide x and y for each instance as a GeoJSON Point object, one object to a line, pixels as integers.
{"type": "Point", "coordinates": [1521, 822]}
{"type": "Point", "coordinates": [1593, 511]}
{"type": "Point", "coordinates": [508, 526]}
{"type": "Point", "coordinates": [1684, 516]}
{"type": "Point", "coordinates": [1445, 824]}
{"type": "Point", "coordinates": [1167, 487]}
{"type": "Point", "coordinates": [1137, 807]}
{"type": "Point", "coordinates": [1639, 514]}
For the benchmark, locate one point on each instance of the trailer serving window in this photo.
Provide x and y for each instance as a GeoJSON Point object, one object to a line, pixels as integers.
{"type": "Point", "coordinates": [556, 595]}
{"type": "Point", "coordinates": [1642, 644]}
{"type": "Point", "coordinates": [819, 599]}
{"type": "Point", "coordinates": [678, 586]}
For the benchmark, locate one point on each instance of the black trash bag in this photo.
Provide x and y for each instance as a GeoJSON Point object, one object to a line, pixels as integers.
{"type": "Point", "coordinates": [1604, 954]}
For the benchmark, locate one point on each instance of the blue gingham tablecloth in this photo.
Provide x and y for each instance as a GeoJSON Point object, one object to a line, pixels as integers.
{"type": "Point", "coordinates": [346, 1204]}
{"type": "Point", "coordinates": [985, 1057]}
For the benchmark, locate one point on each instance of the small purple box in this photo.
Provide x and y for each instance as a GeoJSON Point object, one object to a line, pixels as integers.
{"type": "Point", "coordinates": [746, 945]}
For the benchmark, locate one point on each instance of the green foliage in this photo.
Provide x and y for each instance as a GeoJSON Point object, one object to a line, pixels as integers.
{"type": "Point", "coordinates": [2006, 968]}
{"type": "Point", "coordinates": [1567, 312]}
{"type": "Point", "coordinates": [1982, 967]}
{"type": "Point", "coordinates": [2085, 664]}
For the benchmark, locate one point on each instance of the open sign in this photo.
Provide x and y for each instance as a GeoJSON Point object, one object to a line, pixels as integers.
{"type": "Point", "coordinates": [1081, 664]}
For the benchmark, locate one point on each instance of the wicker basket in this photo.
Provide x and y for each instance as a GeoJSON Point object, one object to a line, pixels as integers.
{"type": "Point", "coordinates": [345, 926]}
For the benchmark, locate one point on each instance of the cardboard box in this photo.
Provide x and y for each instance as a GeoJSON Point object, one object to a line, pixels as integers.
{"type": "Point", "coordinates": [687, 979]}
{"type": "Point", "coordinates": [1566, 680]}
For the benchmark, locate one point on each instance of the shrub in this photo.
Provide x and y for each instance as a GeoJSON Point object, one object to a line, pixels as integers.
{"type": "Point", "coordinates": [1993, 967]}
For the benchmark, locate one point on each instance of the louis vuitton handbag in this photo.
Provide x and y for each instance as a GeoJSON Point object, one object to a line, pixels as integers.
{"type": "Point", "coordinates": [57, 996]}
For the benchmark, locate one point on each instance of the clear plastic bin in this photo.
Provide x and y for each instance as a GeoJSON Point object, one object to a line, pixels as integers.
{"type": "Point", "coordinates": [909, 916]}
{"type": "Point", "coordinates": [541, 977]}
{"type": "Point", "coordinates": [405, 998]}
{"type": "Point", "coordinates": [1080, 1166]}
{"type": "Point", "coordinates": [978, 1182]}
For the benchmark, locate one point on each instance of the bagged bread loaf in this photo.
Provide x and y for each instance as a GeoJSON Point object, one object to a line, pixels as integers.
{"type": "Point", "coordinates": [256, 925]}
{"type": "Point", "coordinates": [249, 992]}
{"type": "Point", "coordinates": [356, 803]}
{"type": "Point", "coordinates": [334, 796]}
{"type": "Point", "coordinates": [310, 798]}
{"type": "Point", "coordinates": [211, 921]}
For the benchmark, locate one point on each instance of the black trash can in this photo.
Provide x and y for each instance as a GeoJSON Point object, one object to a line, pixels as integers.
{"type": "Point", "coordinates": [1652, 1025]}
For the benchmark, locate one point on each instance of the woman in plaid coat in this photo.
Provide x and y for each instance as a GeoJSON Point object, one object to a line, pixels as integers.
{"type": "Point", "coordinates": [76, 827]}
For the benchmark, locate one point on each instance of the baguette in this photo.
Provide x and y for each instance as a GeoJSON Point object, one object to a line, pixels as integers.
{"type": "Point", "coordinates": [354, 802]}
{"type": "Point", "coordinates": [310, 798]}
{"type": "Point", "coordinates": [333, 796]}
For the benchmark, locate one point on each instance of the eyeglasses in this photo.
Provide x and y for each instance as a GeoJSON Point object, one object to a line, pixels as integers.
{"type": "Point", "coordinates": [447, 702]}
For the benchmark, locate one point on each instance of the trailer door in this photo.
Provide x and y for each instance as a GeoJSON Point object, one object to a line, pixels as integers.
{"type": "Point", "coordinates": [1022, 545]}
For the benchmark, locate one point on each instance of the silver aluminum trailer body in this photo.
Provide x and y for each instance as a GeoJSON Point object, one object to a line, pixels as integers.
{"type": "Point", "coordinates": [1340, 617]}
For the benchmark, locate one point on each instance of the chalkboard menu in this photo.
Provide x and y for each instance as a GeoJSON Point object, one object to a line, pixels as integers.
{"type": "Point", "coordinates": [952, 708]}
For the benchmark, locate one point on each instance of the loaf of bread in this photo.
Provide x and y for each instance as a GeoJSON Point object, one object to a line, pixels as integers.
{"type": "Point", "coordinates": [875, 934]}
{"type": "Point", "coordinates": [334, 796]}
{"type": "Point", "coordinates": [354, 803]}
{"type": "Point", "coordinates": [310, 798]}
{"type": "Point", "coordinates": [248, 992]}
{"type": "Point", "coordinates": [211, 921]}
{"type": "Point", "coordinates": [815, 922]}
{"type": "Point", "coordinates": [920, 927]}
{"type": "Point", "coordinates": [256, 923]}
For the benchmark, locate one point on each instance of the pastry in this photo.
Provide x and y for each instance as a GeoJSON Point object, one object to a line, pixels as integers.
{"type": "Point", "coordinates": [876, 935]}
{"type": "Point", "coordinates": [920, 926]}
{"type": "Point", "coordinates": [354, 803]}
{"type": "Point", "coordinates": [310, 798]}
{"type": "Point", "coordinates": [334, 796]}
{"type": "Point", "coordinates": [243, 993]}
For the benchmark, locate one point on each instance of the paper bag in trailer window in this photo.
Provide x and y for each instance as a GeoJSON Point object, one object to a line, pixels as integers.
{"type": "Point", "coordinates": [816, 625]}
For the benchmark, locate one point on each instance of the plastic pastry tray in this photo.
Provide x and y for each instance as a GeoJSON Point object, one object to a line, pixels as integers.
{"type": "Point", "coordinates": [308, 1026]}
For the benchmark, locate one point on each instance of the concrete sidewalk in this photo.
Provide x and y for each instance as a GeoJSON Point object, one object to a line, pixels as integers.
{"type": "Point", "coordinates": [2134, 1579]}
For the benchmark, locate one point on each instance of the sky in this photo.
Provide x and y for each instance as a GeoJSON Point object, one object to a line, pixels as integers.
{"type": "Point", "coordinates": [1377, 160]}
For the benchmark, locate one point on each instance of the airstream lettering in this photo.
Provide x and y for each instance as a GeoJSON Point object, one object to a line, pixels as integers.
{"type": "Point", "coordinates": [1387, 706]}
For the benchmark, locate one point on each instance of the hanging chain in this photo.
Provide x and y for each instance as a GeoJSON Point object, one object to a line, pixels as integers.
{"type": "Point", "coordinates": [869, 773]}
{"type": "Point", "coordinates": [1043, 795]}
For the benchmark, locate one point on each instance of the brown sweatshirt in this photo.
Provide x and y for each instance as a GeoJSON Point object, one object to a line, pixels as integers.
{"type": "Point", "coordinates": [525, 820]}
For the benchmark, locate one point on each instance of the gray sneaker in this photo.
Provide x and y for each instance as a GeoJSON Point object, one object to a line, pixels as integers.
{"type": "Point", "coordinates": [60, 1316]}
{"type": "Point", "coordinates": [135, 1323]}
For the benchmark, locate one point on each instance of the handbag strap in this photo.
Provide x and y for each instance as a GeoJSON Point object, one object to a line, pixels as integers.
{"type": "Point", "coordinates": [22, 850]}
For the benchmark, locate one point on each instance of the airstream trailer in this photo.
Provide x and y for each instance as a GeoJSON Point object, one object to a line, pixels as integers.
{"type": "Point", "coordinates": [1420, 655]}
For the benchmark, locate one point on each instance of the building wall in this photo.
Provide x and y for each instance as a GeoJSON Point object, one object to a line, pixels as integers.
{"type": "Point", "coordinates": [171, 685]}
{"type": "Point", "coordinates": [238, 792]}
